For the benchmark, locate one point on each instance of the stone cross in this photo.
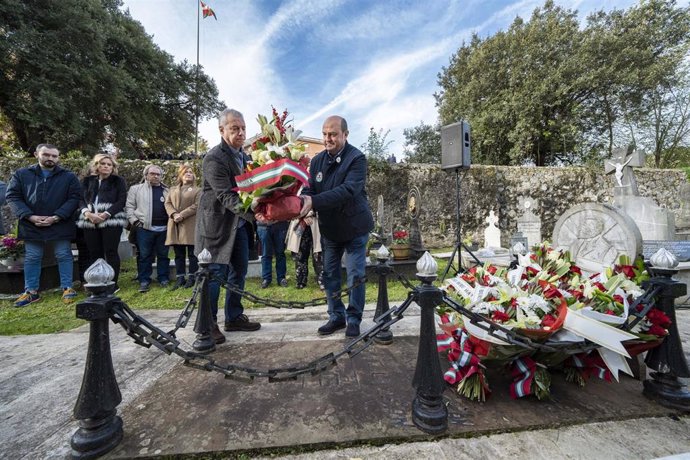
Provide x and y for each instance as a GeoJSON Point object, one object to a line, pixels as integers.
{"type": "Point", "coordinates": [621, 165]}
{"type": "Point", "coordinates": [492, 234]}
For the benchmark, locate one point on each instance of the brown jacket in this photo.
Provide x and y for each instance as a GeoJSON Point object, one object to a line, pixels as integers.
{"type": "Point", "coordinates": [182, 199]}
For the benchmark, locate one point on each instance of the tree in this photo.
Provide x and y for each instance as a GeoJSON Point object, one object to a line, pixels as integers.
{"type": "Point", "coordinates": [548, 92]}
{"type": "Point", "coordinates": [83, 72]}
{"type": "Point", "coordinates": [376, 146]}
{"type": "Point", "coordinates": [423, 143]}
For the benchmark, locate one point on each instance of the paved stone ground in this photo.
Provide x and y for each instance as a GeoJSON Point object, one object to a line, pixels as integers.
{"type": "Point", "coordinates": [360, 408]}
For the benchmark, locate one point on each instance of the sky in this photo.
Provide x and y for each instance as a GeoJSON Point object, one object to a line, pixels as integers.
{"type": "Point", "coordinates": [376, 63]}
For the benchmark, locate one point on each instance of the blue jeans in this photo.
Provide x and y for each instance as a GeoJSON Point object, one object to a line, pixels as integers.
{"type": "Point", "coordinates": [355, 266]}
{"type": "Point", "coordinates": [34, 257]}
{"type": "Point", "coordinates": [273, 243]}
{"type": "Point", "coordinates": [150, 245]}
{"type": "Point", "coordinates": [235, 273]}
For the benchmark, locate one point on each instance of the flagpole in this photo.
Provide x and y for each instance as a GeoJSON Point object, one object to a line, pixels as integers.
{"type": "Point", "coordinates": [196, 83]}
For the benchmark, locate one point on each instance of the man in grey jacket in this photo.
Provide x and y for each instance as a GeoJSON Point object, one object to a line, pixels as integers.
{"type": "Point", "coordinates": [221, 227]}
{"type": "Point", "coordinates": [146, 212]}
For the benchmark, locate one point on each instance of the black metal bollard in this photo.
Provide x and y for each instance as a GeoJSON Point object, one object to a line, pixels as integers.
{"type": "Point", "coordinates": [668, 359]}
{"type": "Point", "coordinates": [429, 413]}
{"type": "Point", "coordinates": [100, 429]}
{"type": "Point", "coordinates": [383, 269]}
{"type": "Point", "coordinates": [204, 342]}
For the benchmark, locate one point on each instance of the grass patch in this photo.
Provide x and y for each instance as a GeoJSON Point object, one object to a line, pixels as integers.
{"type": "Point", "coordinates": [51, 315]}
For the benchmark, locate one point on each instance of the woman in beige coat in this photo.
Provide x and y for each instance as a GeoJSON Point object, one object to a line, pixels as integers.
{"type": "Point", "coordinates": [181, 204]}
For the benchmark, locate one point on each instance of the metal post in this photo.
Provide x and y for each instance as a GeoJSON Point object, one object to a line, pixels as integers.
{"type": "Point", "coordinates": [204, 342]}
{"type": "Point", "coordinates": [668, 359]}
{"type": "Point", "coordinates": [100, 429]}
{"type": "Point", "coordinates": [429, 413]}
{"type": "Point", "coordinates": [383, 269]}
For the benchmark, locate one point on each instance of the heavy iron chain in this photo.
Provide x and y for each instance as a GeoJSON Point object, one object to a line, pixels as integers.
{"type": "Point", "coordinates": [186, 313]}
{"type": "Point", "coordinates": [146, 334]}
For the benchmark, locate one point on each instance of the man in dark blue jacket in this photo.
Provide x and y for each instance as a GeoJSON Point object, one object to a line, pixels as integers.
{"type": "Point", "coordinates": [337, 193]}
{"type": "Point", "coordinates": [44, 198]}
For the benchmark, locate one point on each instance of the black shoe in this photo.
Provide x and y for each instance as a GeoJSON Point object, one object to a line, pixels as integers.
{"type": "Point", "coordinates": [283, 282]}
{"type": "Point", "coordinates": [179, 282]}
{"type": "Point", "coordinates": [190, 282]}
{"type": "Point", "coordinates": [216, 335]}
{"type": "Point", "coordinates": [164, 283]}
{"type": "Point", "coordinates": [265, 284]}
{"type": "Point", "coordinates": [144, 287]}
{"type": "Point", "coordinates": [352, 330]}
{"type": "Point", "coordinates": [242, 323]}
{"type": "Point", "coordinates": [301, 286]}
{"type": "Point", "coordinates": [330, 327]}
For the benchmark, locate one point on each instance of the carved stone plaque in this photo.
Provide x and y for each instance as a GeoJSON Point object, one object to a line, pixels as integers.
{"type": "Point", "coordinates": [596, 235]}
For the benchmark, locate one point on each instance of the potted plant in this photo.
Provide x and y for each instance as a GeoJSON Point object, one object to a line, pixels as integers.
{"type": "Point", "coordinates": [11, 252]}
{"type": "Point", "coordinates": [401, 245]}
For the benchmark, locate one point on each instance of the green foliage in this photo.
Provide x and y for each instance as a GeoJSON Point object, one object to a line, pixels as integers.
{"type": "Point", "coordinates": [376, 146]}
{"type": "Point", "coordinates": [423, 143]}
{"type": "Point", "coordinates": [83, 73]}
{"type": "Point", "coordinates": [548, 92]}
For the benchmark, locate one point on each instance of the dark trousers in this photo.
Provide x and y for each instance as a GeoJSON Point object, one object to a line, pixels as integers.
{"type": "Point", "coordinates": [306, 243]}
{"type": "Point", "coordinates": [234, 273]}
{"type": "Point", "coordinates": [103, 243]}
{"type": "Point", "coordinates": [182, 251]}
{"type": "Point", "coordinates": [152, 245]}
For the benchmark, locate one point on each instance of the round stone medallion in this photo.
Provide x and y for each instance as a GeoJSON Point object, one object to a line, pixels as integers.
{"type": "Point", "coordinates": [597, 235]}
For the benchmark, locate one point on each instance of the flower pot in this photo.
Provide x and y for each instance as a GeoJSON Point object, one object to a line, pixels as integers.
{"type": "Point", "coordinates": [400, 251]}
{"type": "Point", "coordinates": [13, 263]}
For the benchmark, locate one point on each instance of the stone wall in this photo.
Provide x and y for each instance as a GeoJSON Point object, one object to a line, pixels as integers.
{"type": "Point", "coordinates": [482, 188]}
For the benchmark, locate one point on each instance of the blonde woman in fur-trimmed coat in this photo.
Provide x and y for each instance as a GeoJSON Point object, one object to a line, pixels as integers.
{"type": "Point", "coordinates": [103, 216]}
{"type": "Point", "coordinates": [181, 204]}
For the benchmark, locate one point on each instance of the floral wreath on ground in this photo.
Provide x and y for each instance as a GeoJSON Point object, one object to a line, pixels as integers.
{"type": "Point", "coordinates": [534, 300]}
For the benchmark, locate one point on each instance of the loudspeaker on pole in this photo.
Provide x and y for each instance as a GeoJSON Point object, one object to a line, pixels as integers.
{"type": "Point", "coordinates": [456, 145]}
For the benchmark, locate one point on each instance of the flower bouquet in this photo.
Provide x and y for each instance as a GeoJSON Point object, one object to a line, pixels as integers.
{"type": "Point", "coordinates": [271, 181]}
{"type": "Point", "coordinates": [11, 247]}
{"type": "Point", "coordinates": [544, 300]}
{"type": "Point", "coordinates": [401, 237]}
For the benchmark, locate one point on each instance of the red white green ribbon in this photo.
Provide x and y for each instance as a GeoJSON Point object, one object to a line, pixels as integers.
{"type": "Point", "coordinates": [270, 174]}
{"type": "Point", "coordinates": [523, 370]}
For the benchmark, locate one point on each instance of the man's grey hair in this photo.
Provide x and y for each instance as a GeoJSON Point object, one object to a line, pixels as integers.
{"type": "Point", "coordinates": [232, 113]}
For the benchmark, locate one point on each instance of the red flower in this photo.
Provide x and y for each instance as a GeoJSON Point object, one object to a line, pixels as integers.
{"type": "Point", "coordinates": [599, 286]}
{"type": "Point", "coordinates": [575, 269]}
{"type": "Point", "coordinates": [627, 270]}
{"type": "Point", "coordinates": [657, 330]}
{"type": "Point", "coordinates": [492, 269]}
{"type": "Point", "coordinates": [548, 320]}
{"type": "Point", "coordinates": [618, 298]}
{"type": "Point", "coordinates": [610, 312]}
{"type": "Point", "coordinates": [500, 316]}
{"type": "Point", "coordinates": [658, 318]}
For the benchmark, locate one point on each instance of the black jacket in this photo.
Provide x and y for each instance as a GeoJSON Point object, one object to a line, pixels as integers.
{"type": "Point", "coordinates": [112, 196]}
{"type": "Point", "coordinates": [29, 194]}
{"type": "Point", "coordinates": [338, 194]}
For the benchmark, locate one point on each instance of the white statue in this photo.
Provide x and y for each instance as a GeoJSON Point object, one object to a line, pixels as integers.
{"type": "Point", "coordinates": [619, 171]}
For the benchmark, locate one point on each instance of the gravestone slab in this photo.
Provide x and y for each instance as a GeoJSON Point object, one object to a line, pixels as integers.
{"type": "Point", "coordinates": [414, 200]}
{"type": "Point", "coordinates": [680, 249]}
{"type": "Point", "coordinates": [492, 234]}
{"type": "Point", "coordinates": [529, 224]}
{"type": "Point", "coordinates": [596, 235]}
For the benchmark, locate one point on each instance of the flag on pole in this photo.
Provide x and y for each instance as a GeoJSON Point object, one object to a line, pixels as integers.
{"type": "Point", "coordinates": [207, 11]}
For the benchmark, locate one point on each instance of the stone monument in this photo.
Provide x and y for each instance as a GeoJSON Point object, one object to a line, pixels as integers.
{"type": "Point", "coordinates": [413, 208]}
{"type": "Point", "coordinates": [596, 235]}
{"type": "Point", "coordinates": [655, 223]}
{"type": "Point", "coordinates": [492, 234]}
{"type": "Point", "coordinates": [529, 224]}
{"type": "Point", "coordinates": [683, 219]}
